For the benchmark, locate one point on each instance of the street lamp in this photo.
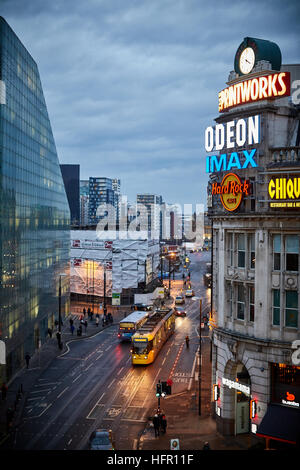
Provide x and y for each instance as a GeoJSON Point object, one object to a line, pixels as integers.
{"type": "Point", "coordinates": [171, 256]}
{"type": "Point", "coordinates": [200, 354]}
{"type": "Point", "coordinates": [59, 311]}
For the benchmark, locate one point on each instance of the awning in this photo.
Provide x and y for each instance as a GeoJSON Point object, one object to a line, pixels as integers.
{"type": "Point", "coordinates": [281, 423]}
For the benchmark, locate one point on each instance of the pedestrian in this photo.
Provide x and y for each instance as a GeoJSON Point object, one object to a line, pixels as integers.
{"type": "Point", "coordinates": [206, 446]}
{"type": "Point", "coordinates": [187, 341]}
{"type": "Point", "coordinates": [72, 327]}
{"type": "Point", "coordinates": [56, 324]}
{"type": "Point", "coordinates": [103, 322]}
{"type": "Point", "coordinates": [84, 312]}
{"type": "Point", "coordinates": [79, 330]}
{"type": "Point", "coordinates": [50, 332]}
{"type": "Point", "coordinates": [85, 325]}
{"type": "Point", "coordinates": [89, 312]}
{"type": "Point", "coordinates": [71, 321]}
{"type": "Point", "coordinates": [9, 418]}
{"type": "Point", "coordinates": [4, 391]}
{"type": "Point", "coordinates": [97, 321]}
{"type": "Point", "coordinates": [156, 424]}
{"type": "Point", "coordinates": [97, 316]}
{"type": "Point", "coordinates": [27, 359]}
{"type": "Point", "coordinates": [164, 424]}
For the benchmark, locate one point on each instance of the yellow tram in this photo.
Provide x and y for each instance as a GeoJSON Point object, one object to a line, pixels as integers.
{"type": "Point", "coordinates": [149, 339]}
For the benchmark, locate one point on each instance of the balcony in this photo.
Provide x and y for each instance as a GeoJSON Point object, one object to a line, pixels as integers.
{"type": "Point", "coordinates": [285, 156]}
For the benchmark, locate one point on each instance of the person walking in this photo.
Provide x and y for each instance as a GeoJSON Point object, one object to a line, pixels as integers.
{"type": "Point", "coordinates": [187, 341]}
{"type": "Point", "coordinates": [206, 446]}
{"type": "Point", "coordinates": [4, 391]}
{"type": "Point", "coordinates": [85, 325]}
{"type": "Point", "coordinates": [50, 332]}
{"type": "Point", "coordinates": [71, 321]}
{"type": "Point", "coordinates": [72, 327]}
{"type": "Point", "coordinates": [164, 424]}
{"type": "Point", "coordinates": [97, 321]}
{"type": "Point", "coordinates": [156, 424]}
{"type": "Point", "coordinates": [84, 312]}
{"type": "Point", "coordinates": [9, 418]}
{"type": "Point", "coordinates": [27, 359]}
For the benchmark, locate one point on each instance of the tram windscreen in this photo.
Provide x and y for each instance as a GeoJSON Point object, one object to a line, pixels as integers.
{"type": "Point", "coordinates": [141, 347]}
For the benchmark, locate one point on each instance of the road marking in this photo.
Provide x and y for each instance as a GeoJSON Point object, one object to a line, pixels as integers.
{"type": "Point", "coordinates": [77, 378]}
{"type": "Point", "coordinates": [37, 398]}
{"type": "Point", "coordinates": [87, 368]}
{"type": "Point", "coordinates": [108, 348]}
{"type": "Point", "coordinates": [41, 391]}
{"type": "Point", "coordinates": [111, 383]}
{"type": "Point", "coordinates": [58, 396]}
{"type": "Point", "coordinates": [120, 370]}
{"type": "Point", "coordinates": [193, 369]}
{"type": "Point", "coordinates": [163, 361]}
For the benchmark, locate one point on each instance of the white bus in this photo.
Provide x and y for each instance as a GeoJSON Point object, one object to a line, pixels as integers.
{"type": "Point", "coordinates": [129, 325]}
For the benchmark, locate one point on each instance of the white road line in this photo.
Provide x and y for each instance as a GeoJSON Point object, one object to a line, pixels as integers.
{"type": "Point", "coordinates": [193, 369]}
{"type": "Point", "coordinates": [99, 357]}
{"type": "Point", "coordinates": [41, 391]}
{"type": "Point", "coordinates": [163, 361]}
{"type": "Point", "coordinates": [111, 383]}
{"type": "Point", "coordinates": [37, 398]}
{"type": "Point", "coordinates": [108, 348]}
{"type": "Point", "coordinates": [58, 396]}
{"type": "Point", "coordinates": [77, 378]}
{"type": "Point", "coordinates": [48, 383]}
{"type": "Point", "coordinates": [101, 397]}
{"type": "Point", "coordinates": [120, 370]}
{"type": "Point", "coordinates": [87, 368]}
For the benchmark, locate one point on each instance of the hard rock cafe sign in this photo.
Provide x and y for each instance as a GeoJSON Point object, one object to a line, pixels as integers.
{"type": "Point", "coordinates": [231, 191]}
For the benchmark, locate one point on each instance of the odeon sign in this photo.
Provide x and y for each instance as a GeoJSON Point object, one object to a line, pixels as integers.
{"type": "Point", "coordinates": [275, 85]}
{"type": "Point", "coordinates": [231, 135]}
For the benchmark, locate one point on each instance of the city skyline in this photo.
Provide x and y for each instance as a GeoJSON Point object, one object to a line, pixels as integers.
{"type": "Point", "coordinates": [131, 86]}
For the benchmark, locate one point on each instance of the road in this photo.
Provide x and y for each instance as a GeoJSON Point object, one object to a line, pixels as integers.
{"type": "Point", "coordinates": [94, 385]}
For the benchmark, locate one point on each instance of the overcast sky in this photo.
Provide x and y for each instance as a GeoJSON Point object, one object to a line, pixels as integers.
{"type": "Point", "coordinates": [131, 85]}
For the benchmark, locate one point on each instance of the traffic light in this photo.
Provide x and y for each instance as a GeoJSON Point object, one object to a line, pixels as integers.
{"type": "Point", "coordinates": [166, 389]}
{"type": "Point", "coordinates": [158, 389]}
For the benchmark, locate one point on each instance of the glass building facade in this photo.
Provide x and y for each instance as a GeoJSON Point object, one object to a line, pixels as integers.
{"type": "Point", "coordinates": [34, 211]}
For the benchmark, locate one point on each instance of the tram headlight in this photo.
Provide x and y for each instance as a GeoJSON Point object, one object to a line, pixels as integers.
{"type": "Point", "coordinates": [145, 357]}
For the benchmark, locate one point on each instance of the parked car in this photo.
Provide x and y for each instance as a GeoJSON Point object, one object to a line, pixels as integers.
{"type": "Point", "coordinates": [189, 293]}
{"type": "Point", "coordinates": [102, 439]}
{"type": "Point", "coordinates": [179, 299]}
{"type": "Point", "coordinates": [207, 279]}
{"type": "Point", "coordinates": [179, 312]}
{"type": "Point", "coordinates": [141, 307]}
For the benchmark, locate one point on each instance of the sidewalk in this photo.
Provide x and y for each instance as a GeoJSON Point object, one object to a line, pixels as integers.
{"type": "Point", "coordinates": [192, 430]}
{"type": "Point", "coordinates": [23, 382]}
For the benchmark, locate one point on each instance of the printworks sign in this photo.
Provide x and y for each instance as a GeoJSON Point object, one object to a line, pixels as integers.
{"type": "Point", "coordinates": [275, 85]}
{"type": "Point", "coordinates": [231, 191]}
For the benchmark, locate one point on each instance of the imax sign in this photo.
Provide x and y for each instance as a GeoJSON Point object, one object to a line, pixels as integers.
{"type": "Point", "coordinates": [236, 161]}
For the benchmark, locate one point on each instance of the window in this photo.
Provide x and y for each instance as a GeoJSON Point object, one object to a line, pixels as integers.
{"type": "Point", "coordinates": [241, 250]}
{"type": "Point", "coordinates": [251, 303]}
{"type": "Point", "coordinates": [252, 250]}
{"type": "Point", "coordinates": [230, 249]}
{"type": "Point", "coordinates": [291, 308]}
{"type": "Point", "coordinates": [276, 252]}
{"type": "Point", "coordinates": [230, 301]}
{"type": "Point", "coordinates": [276, 307]}
{"type": "Point", "coordinates": [241, 302]}
{"type": "Point", "coordinates": [291, 252]}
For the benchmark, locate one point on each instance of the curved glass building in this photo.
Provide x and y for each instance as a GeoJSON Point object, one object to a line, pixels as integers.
{"type": "Point", "coordinates": [34, 211]}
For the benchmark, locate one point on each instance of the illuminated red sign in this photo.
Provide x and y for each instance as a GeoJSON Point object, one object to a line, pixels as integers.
{"type": "Point", "coordinates": [275, 85]}
{"type": "Point", "coordinates": [231, 191]}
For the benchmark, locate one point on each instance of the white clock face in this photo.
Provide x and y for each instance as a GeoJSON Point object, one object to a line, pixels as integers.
{"type": "Point", "coordinates": [247, 60]}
